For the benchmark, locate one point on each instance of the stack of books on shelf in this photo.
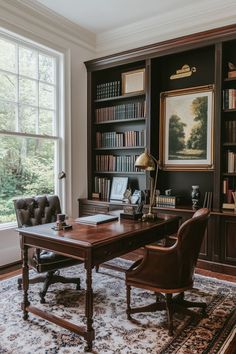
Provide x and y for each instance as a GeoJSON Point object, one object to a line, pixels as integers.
{"type": "Point", "coordinates": [228, 190]}
{"type": "Point", "coordinates": [115, 139]}
{"type": "Point", "coordinates": [108, 89]}
{"type": "Point", "coordinates": [167, 201]}
{"type": "Point", "coordinates": [116, 163]}
{"type": "Point", "coordinates": [229, 99]}
{"type": "Point", "coordinates": [131, 110]}
{"type": "Point", "coordinates": [231, 161]}
{"type": "Point", "coordinates": [230, 131]}
{"type": "Point", "coordinates": [102, 186]}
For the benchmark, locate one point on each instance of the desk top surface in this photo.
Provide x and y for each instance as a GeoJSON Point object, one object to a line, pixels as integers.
{"type": "Point", "coordinates": [92, 235]}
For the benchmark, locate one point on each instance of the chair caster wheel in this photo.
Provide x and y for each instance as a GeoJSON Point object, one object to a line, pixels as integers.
{"type": "Point", "coordinates": [42, 299]}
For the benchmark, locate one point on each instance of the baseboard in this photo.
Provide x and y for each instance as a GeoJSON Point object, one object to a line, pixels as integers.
{"type": "Point", "coordinates": [215, 267]}
{"type": "Point", "coordinates": [7, 268]}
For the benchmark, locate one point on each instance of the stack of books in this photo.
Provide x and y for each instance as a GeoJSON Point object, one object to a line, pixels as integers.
{"type": "Point", "coordinates": [229, 99]}
{"type": "Point", "coordinates": [108, 89]}
{"type": "Point", "coordinates": [168, 201]}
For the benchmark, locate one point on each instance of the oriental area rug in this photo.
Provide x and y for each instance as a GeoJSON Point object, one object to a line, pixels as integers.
{"type": "Point", "coordinates": [146, 334]}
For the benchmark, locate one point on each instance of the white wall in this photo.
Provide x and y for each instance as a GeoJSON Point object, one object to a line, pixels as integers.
{"type": "Point", "coordinates": [78, 46]}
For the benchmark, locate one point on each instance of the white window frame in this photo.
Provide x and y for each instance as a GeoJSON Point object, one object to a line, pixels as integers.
{"type": "Point", "coordinates": [60, 59]}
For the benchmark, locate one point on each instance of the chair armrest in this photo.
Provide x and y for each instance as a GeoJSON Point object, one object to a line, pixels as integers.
{"type": "Point", "coordinates": [161, 249]}
{"type": "Point", "coordinates": [135, 264]}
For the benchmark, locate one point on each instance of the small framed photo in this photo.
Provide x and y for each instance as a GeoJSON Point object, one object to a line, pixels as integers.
{"type": "Point", "coordinates": [133, 82]}
{"type": "Point", "coordinates": [118, 188]}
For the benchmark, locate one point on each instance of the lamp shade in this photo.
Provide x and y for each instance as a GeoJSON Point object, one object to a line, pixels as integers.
{"type": "Point", "coordinates": [145, 162]}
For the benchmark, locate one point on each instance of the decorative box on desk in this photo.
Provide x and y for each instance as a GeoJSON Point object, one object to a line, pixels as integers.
{"type": "Point", "coordinates": [168, 201]}
{"type": "Point", "coordinates": [130, 212]}
{"type": "Point", "coordinates": [129, 216]}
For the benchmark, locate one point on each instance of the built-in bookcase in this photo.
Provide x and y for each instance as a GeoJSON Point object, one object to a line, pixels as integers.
{"type": "Point", "coordinates": [121, 125]}
{"type": "Point", "coordinates": [118, 134]}
{"type": "Point", "coordinates": [228, 121]}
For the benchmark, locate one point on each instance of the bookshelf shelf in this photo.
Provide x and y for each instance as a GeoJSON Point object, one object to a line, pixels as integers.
{"type": "Point", "coordinates": [228, 144]}
{"type": "Point", "coordinates": [119, 98]}
{"type": "Point", "coordinates": [118, 121]}
{"type": "Point", "coordinates": [120, 148]}
{"type": "Point", "coordinates": [230, 79]}
{"type": "Point", "coordinates": [118, 173]}
{"type": "Point", "coordinates": [229, 174]}
{"type": "Point", "coordinates": [229, 110]}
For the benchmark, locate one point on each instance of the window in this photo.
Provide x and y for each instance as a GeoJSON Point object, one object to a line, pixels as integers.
{"type": "Point", "coordinates": [30, 136]}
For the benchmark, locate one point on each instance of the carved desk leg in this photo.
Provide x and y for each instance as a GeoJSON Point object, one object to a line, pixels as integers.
{"type": "Point", "coordinates": [89, 307]}
{"type": "Point", "coordinates": [25, 277]}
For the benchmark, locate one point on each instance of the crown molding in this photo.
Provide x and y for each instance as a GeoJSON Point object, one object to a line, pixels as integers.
{"type": "Point", "coordinates": [177, 23]}
{"type": "Point", "coordinates": [36, 14]}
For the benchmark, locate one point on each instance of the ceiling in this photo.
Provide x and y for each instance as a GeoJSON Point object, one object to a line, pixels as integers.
{"type": "Point", "coordinates": [103, 15]}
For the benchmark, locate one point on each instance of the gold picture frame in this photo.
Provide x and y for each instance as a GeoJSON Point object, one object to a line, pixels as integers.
{"type": "Point", "coordinates": [133, 82]}
{"type": "Point", "coordinates": [186, 129]}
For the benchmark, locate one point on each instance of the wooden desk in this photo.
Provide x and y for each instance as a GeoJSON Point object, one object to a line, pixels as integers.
{"type": "Point", "coordinates": [94, 245]}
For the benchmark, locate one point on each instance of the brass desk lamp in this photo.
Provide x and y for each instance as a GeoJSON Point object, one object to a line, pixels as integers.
{"type": "Point", "coordinates": [147, 162]}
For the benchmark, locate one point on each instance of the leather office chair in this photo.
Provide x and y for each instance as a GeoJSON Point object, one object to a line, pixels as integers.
{"type": "Point", "coordinates": [170, 270]}
{"type": "Point", "coordinates": [41, 210]}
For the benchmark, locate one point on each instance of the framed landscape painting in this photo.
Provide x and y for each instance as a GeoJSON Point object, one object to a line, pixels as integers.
{"type": "Point", "coordinates": [186, 129]}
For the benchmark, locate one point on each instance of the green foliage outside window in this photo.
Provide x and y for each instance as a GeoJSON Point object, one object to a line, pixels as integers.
{"type": "Point", "coordinates": [27, 105]}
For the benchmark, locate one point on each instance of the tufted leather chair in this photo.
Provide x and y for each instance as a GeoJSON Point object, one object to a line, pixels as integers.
{"type": "Point", "coordinates": [170, 270]}
{"type": "Point", "coordinates": [41, 210]}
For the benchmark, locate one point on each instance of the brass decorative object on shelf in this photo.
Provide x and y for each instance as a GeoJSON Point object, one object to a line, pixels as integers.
{"type": "Point", "coordinates": [148, 162]}
{"type": "Point", "coordinates": [185, 71]}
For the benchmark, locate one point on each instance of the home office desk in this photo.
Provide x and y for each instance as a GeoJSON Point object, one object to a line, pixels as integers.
{"type": "Point", "coordinates": [93, 245]}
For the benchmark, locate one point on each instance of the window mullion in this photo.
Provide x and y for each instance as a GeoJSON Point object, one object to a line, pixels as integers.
{"type": "Point", "coordinates": [37, 93]}
{"type": "Point", "coordinates": [17, 88]}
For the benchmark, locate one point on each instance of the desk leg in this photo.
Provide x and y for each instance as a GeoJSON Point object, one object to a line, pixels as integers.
{"type": "Point", "coordinates": [89, 308]}
{"type": "Point", "coordinates": [25, 278]}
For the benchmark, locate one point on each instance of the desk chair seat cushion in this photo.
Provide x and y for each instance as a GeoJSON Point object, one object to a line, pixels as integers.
{"type": "Point", "coordinates": [49, 261]}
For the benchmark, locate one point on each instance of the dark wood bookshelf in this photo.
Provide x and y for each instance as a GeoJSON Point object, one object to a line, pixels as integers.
{"type": "Point", "coordinates": [209, 52]}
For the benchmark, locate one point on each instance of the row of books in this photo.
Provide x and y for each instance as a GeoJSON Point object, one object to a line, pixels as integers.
{"type": "Point", "coordinates": [102, 186]}
{"type": "Point", "coordinates": [134, 109]}
{"type": "Point", "coordinates": [230, 131]}
{"type": "Point", "coordinates": [227, 189]}
{"type": "Point", "coordinates": [231, 161]}
{"type": "Point", "coordinates": [108, 89]}
{"type": "Point", "coordinates": [229, 99]}
{"type": "Point", "coordinates": [124, 139]}
{"type": "Point", "coordinates": [169, 201]}
{"type": "Point", "coordinates": [116, 163]}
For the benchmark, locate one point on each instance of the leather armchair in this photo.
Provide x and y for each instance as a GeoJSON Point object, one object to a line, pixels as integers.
{"type": "Point", "coordinates": [41, 210]}
{"type": "Point", "coordinates": [170, 270]}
